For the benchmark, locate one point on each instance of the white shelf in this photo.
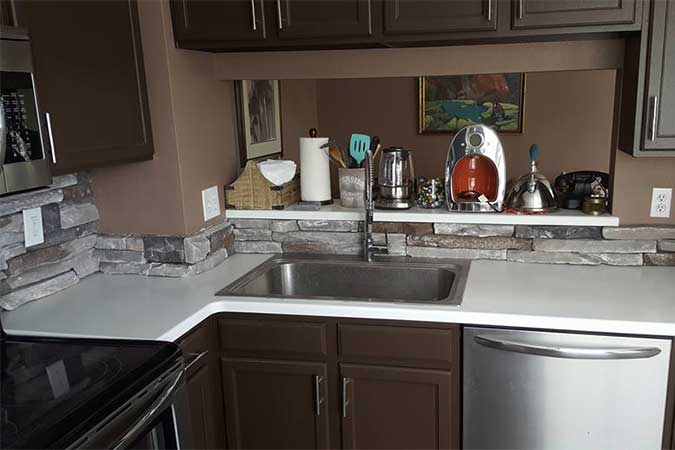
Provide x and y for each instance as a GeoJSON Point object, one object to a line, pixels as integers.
{"type": "Point", "coordinates": [568, 217]}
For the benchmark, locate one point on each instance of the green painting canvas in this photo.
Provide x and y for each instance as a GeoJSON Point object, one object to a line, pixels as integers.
{"type": "Point", "coordinates": [449, 103]}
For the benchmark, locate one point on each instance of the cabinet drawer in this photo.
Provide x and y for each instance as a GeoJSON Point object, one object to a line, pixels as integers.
{"type": "Point", "coordinates": [399, 345]}
{"type": "Point", "coordinates": [272, 338]}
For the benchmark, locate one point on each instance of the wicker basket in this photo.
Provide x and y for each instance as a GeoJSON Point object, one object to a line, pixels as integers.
{"type": "Point", "coordinates": [253, 191]}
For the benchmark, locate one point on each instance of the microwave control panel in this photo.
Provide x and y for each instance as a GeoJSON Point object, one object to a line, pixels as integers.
{"type": "Point", "coordinates": [21, 127]}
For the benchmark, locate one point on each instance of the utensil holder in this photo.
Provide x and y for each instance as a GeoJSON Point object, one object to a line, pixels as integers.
{"type": "Point", "coordinates": [352, 187]}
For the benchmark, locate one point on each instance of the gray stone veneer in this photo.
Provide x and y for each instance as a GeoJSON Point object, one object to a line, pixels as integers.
{"type": "Point", "coordinates": [618, 246]}
{"type": "Point", "coordinates": [72, 249]}
{"type": "Point", "coordinates": [69, 218]}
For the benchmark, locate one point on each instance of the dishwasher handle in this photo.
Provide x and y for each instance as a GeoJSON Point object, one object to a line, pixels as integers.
{"type": "Point", "coordinates": [555, 351]}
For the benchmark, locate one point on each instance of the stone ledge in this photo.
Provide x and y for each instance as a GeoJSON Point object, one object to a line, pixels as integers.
{"type": "Point", "coordinates": [593, 246]}
{"type": "Point", "coordinates": [639, 232]}
{"type": "Point", "coordinates": [593, 259]}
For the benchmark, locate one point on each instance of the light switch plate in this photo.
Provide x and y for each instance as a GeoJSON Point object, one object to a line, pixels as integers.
{"type": "Point", "coordinates": [33, 233]}
{"type": "Point", "coordinates": [210, 203]}
{"type": "Point", "coordinates": [661, 200]}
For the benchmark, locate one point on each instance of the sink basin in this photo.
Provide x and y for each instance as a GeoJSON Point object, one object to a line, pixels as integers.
{"type": "Point", "coordinates": [342, 278]}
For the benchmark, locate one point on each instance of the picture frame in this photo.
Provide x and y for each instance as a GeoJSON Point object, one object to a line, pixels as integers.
{"type": "Point", "coordinates": [446, 104]}
{"type": "Point", "coordinates": [258, 113]}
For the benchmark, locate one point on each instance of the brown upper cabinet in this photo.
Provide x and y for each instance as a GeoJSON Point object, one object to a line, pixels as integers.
{"type": "Point", "coordinates": [90, 79]}
{"type": "Point", "coordinates": [575, 13]}
{"type": "Point", "coordinates": [434, 16]}
{"type": "Point", "coordinates": [660, 97]}
{"type": "Point", "coordinates": [238, 25]}
{"type": "Point", "coordinates": [647, 85]}
{"type": "Point", "coordinates": [309, 19]}
{"type": "Point", "coordinates": [205, 24]}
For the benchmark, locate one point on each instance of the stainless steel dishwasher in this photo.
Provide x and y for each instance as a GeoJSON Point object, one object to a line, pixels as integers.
{"type": "Point", "coordinates": [537, 390]}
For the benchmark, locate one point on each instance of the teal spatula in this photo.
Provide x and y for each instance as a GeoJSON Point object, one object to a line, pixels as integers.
{"type": "Point", "coordinates": [358, 145]}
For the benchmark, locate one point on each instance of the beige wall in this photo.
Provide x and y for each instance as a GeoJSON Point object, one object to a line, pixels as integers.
{"type": "Point", "coordinates": [192, 123]}
{"type": "Point", "coordinates": [569, 114]}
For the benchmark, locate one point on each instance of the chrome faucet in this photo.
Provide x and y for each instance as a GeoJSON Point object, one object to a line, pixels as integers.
{"type": "Point", "coordinates": [369, 246]}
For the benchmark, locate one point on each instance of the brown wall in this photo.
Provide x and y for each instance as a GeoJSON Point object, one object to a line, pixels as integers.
{"type": "Point", "coordinates": [193, 130]}
{"type": "Point", "coordinates": [569, 114]}
{"type": "Point", "coordinates": [299, 113]}
{"type": "Point", "coordinates": [634, 179]}
{"type": "Point", "coordinates": [145, 197]}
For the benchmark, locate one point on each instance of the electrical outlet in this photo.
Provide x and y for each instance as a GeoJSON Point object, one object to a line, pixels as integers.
{"type": "Point", "coordinates": [210, 203]}
{"type": "Point", "coordinates": [661, 199]}
{"type": "Point", "coordinates": [33, 233]}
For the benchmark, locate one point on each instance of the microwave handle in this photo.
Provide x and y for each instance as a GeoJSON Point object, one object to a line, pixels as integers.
{"type": "Point", "coordinates": [48, 120]}
{"type": "Point", "coordinates": [3, 137]}
{"type": "Point", "coordinates": [152, 412]}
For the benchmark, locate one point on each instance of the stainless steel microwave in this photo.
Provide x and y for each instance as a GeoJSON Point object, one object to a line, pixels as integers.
{"type": "Point", "coordinates": [24, 133]}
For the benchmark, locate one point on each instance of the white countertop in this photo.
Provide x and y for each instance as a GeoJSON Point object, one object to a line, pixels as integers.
{"type": "Point", "coordinates": [568, 217]}
{"type": "Point", "coordinates": [630, 300]}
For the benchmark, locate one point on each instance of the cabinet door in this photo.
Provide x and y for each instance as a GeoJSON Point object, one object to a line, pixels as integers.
{"type": "Point", "coordinates": [574, 13]}
{"type": "Point", "coordinates": [306, 19]}
{"type": "Point", "coordinates": [275, 404]}
{"type": "Point", "coordinates": [659, 123]}
{"type": "Point", "coordinates": [204, 387]}
{"type": "Point", "coordinates": [90, 78]}
{"type": "Point", "coordinates": [439, 16]}
{"type": "Point", "coordinates": [396, 408]}
{"type": "Point", "coordinates": [201, 396]}
{"type": "Point", "coordinates": [218, 22]}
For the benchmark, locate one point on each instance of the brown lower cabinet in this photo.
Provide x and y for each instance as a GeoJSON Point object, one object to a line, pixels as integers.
{"type": "Point", "coordinates": [289, 382]}
{"type": "Point", "coordinates": [276, 404]}
{"type": "Point", "coordinates": [396, 408]}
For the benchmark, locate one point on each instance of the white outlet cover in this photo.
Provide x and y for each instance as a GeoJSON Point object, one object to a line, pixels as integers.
{"type": "Point", "coordinates": [33, 233]}
{"type": "Point", "coordinates": [661, 201]}
{"type": "Point", "coordinates": [210, 203]}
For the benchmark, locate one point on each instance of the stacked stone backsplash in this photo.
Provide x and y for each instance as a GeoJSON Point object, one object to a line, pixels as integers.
{"type": "Point", "coordinates": [73, 249]}
{"type": "Point", "coordinates": [69, 218]}
{"type": "Point", "coordinates": [167, 256]}
{"type": "Point", "coordinates": [622, 246]}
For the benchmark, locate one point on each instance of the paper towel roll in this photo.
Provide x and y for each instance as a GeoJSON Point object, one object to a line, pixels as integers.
{"type": "Point", "coordinates": [314, 170]}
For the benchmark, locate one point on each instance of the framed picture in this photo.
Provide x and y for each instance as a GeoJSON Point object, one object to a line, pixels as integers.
{"type": "Point", "coordinates": [258, 118]}
{"type": "Point", "coordinates": [449, 103]}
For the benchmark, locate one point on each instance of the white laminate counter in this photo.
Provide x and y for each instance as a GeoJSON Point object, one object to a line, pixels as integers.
{"type": "Point", "coordinates": [630, 300]}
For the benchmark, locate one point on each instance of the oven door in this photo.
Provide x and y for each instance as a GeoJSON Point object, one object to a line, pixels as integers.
{"type": "Point", "coordinates": [156, 418]}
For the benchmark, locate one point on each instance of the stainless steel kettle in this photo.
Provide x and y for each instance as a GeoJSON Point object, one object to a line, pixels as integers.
{"type": "Point", "coordinates": [395, 179]}
{"type": "Point", "coordinates": [532, 192]}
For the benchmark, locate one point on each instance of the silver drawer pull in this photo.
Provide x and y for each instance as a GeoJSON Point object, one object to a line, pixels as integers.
{"type": "Point", "coordinates": [345, 393]}
{"type": "Point", "coordinates": [568, 352]}
{"type": "Point", "coordinates": [317, 394]}
{"type": "Point", "coordinates": [655, 109]}
{"type": "Point", "coordinates": [253, 14]}
{"type": "Point", "coordinates": [48, 118]}
{"type": "Point", "coordinates": [281, 24]}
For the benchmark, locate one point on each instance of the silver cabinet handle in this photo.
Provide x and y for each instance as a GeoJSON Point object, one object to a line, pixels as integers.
{"type": "Point", "coordinates": [345, 400]}
{"type": "Point", "coordinates": [317, 394]}
{"type": "Point", "coordinates": [194, 358]}
{"type": "Point", "coordinates": [568, 352]}
{"type": "Point", "coordinates": [655, 108]}
{"type": "Point", "coordinates": [253, 14]}
{"type": "Point", "coordinates": [520, 9]}
{"type": "Point", "coordinates": [489, 10]}
{"type": "Point", "coordinates": [48, 118]}
{"type": "Point", "coordinates": [281, 25]}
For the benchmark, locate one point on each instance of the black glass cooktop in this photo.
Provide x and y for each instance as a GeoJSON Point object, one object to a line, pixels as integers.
{"type": "Point", "coordinates": [54, 390]}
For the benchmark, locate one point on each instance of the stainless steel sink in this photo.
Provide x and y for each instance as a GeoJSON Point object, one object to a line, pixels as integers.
{"type": "Point", "coordinates": [388, 279]}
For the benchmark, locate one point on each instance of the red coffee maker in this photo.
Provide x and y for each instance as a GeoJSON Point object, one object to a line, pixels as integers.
{"type": "Point", "coordinates": [475, 171]}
